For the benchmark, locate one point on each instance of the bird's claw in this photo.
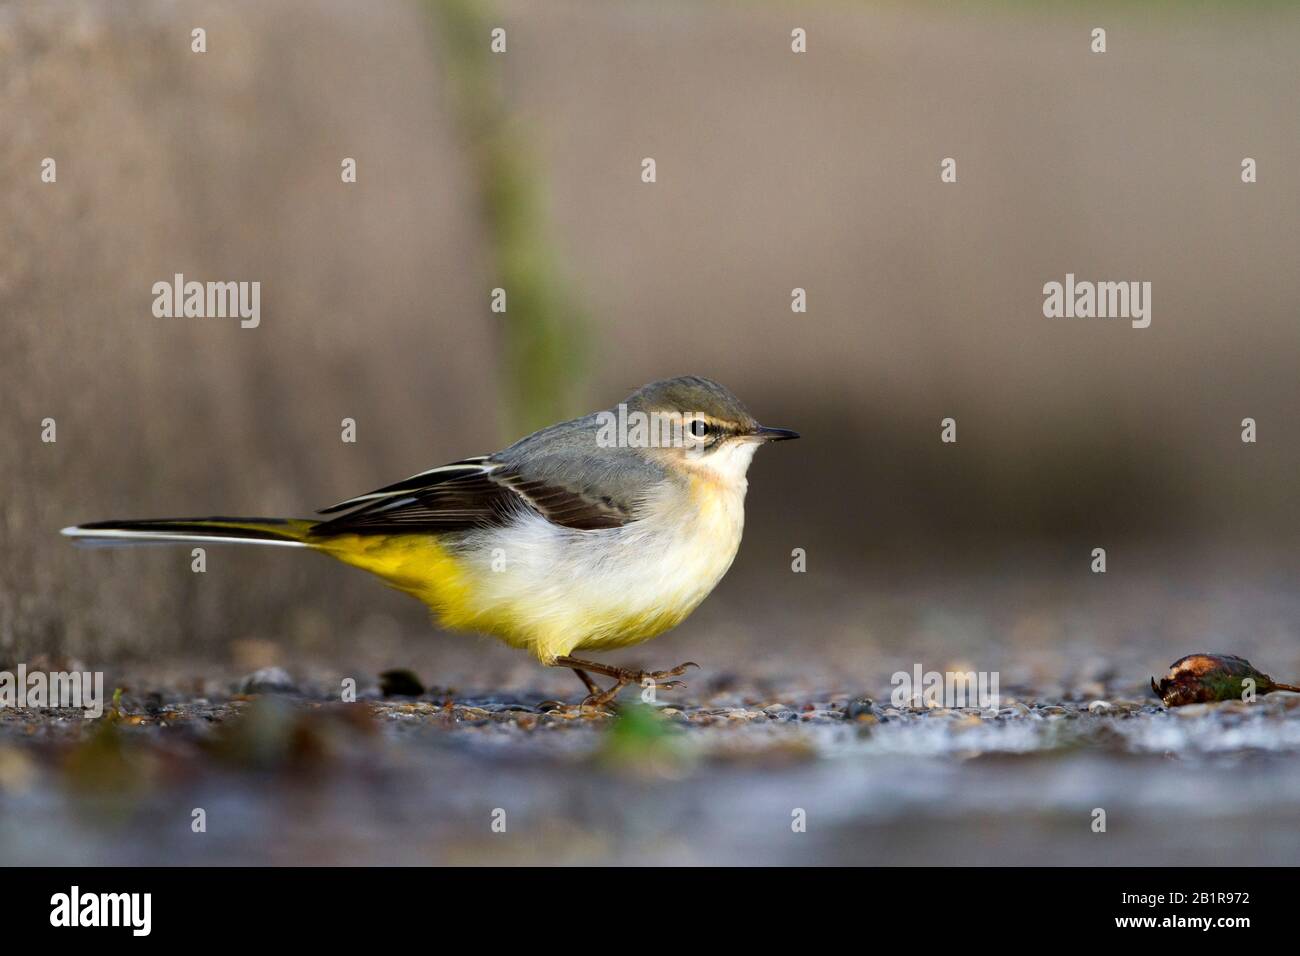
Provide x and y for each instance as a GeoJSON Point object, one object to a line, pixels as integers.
{"type": "Point", "coordinates": [660, 677]}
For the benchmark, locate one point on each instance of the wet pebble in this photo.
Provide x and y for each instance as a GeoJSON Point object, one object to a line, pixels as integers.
{"type": "Point", "coordinates": [268, 680]}
{"type": "Point", "coordinates": [820, 716]}
{"type": "Point", "coordinates": [859, 707]}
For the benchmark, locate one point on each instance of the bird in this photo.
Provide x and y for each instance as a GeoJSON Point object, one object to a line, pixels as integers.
{"type": "Point", "coordinates": [589, 535]}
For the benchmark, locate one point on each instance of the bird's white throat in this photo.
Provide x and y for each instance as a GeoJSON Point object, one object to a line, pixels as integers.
{"type": "Point", "coordinates": [727, 465]}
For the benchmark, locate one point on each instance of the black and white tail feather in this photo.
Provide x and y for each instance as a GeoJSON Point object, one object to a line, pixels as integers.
{"type": "Point", "coordinates": [473, 492]}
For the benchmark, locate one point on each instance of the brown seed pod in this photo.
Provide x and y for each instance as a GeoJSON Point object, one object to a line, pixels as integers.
{"type": "Point", "coordinates": [1198, 678]}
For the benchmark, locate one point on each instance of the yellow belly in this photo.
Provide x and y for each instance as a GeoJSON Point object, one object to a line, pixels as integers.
{"type": "Point", "coordinates": [423, 567]}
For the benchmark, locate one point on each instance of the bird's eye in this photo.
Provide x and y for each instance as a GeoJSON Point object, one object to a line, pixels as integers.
{"type": "Point", "coordinates": [700, 428]}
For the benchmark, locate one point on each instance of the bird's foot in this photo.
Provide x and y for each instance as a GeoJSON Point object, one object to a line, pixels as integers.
{"type": "Point", "coordinates": [664, 678]}
{"type": "Point", "coordinates": [604, 700]}
{"type": "Point", "coordinates": [623, 676]}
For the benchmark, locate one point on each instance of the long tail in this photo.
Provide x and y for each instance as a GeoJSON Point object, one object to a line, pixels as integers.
{"type": "Point", "coordinates": [288, 532]}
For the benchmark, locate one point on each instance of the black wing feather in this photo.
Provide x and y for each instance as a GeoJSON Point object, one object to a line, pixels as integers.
{"type": "Point", "coordinates": [425, 479]}
{"type": "Point", "coordinates": [485, 497]}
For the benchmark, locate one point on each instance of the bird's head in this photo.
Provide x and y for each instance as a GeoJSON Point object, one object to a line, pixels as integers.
{"type": "Point", "coordinates": [697, 425]}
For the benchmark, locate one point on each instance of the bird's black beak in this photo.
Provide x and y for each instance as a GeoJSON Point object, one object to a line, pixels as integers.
{"type": "Point", "coordinates": [763, 433]}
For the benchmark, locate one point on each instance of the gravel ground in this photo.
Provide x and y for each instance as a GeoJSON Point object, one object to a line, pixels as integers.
{"type": "Point", "coordinates": [721, 773]}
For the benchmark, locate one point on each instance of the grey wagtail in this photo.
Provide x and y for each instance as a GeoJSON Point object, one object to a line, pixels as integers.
{"type": "Point", "coordinates": [596, 533]}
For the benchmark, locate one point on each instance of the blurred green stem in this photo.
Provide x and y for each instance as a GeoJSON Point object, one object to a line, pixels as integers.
{"type": "Point", "coordinates": [543, 332]}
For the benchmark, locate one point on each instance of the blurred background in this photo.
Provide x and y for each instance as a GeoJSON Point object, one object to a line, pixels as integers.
{"type": "Point", "coordinates": [775, 171]}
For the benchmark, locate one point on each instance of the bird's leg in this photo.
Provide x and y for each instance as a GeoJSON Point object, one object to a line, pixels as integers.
{"type": "Point", "coordinates": [595, 696]}
{"type": "Point", "coordinates": [625, 675]}
{"type": "Point", "coordinates": [607, 670]}
{"type": "Point", "coordinates": [603, 699]}
{"type": "Point", "coordinates": [583, 676]}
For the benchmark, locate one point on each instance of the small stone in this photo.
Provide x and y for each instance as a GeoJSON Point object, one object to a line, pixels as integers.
{"type": "Point", "coordinates": [1099, 707]}
{"type": "Point", "coordinates": [858, 708]}
{"type": "Point", "coordinates": [268, 680]}
{"type": "Point", "coordinates": [820, 716]}
{"type": "Point", "coordinates": [471, 714]}
{"type": "Point", "coordinates": [400, 683]}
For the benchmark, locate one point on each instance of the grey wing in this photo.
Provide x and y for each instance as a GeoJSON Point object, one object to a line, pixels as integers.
{"type": "Point", "coordinates": [561, 473]}
{"type": "Point", "coordinates": [460, 500]}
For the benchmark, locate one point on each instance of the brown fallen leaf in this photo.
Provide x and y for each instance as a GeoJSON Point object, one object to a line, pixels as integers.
{"type": "Point", "coordinates": [1199, 678]}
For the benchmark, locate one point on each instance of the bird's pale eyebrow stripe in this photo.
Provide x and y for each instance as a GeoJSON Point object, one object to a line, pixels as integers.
{"type": "Point", "coordinates": [722, 428]}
